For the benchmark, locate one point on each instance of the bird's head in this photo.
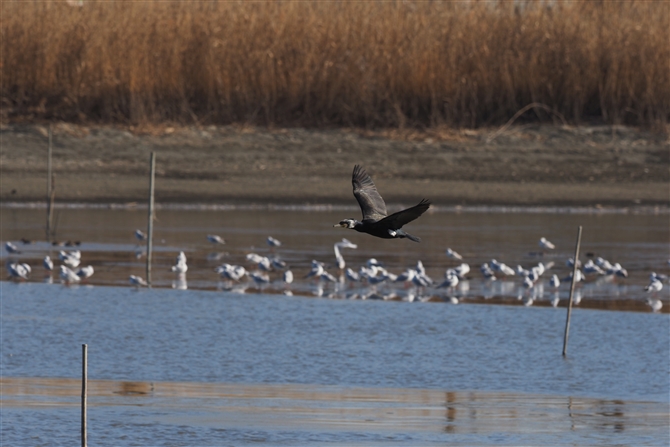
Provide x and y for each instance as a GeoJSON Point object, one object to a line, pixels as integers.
{"type": "Point", "coordinates": [346, 223]}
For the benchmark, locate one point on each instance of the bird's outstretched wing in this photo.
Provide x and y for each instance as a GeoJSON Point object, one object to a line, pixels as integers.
{"type": "Point", "coordinates": [396, 220]}
{"type": "Point", "coordinates": [371, 203]}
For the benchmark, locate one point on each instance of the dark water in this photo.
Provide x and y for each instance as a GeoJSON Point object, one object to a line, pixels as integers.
{"type": "Point", "coordinates": [206, 366]}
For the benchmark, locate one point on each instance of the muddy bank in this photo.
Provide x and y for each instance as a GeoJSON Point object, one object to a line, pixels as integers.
{"type": "Point", "coordinates": [521, 166]}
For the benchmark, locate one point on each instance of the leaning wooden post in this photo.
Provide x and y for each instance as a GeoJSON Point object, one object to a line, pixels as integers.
{"type": "Point", "coordinates": [150, 227]}
{"type": "Point", "coordinates": [84, 379]}
{"type": "Point", "coordinates": [572, 291]}
{"type": "Point", "coordinates": [49, 184]}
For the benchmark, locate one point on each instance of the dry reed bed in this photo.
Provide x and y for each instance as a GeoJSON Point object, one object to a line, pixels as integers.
{"type": "Point", "coordinates": [315, 63]}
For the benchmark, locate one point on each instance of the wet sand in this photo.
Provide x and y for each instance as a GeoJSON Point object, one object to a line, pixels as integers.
{"type": "Point", "coordinates": [533, 165]}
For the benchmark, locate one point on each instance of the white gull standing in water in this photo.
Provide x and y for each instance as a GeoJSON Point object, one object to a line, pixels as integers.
{"type": "Point", "coordinates": [344, 243]}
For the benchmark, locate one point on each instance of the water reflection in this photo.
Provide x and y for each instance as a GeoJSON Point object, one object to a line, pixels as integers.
{"type": "Point", "coordinates": [290, 412]}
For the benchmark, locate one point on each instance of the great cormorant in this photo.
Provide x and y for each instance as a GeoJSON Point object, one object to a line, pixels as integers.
{"type": "Point", "coordinates": [375, 221]}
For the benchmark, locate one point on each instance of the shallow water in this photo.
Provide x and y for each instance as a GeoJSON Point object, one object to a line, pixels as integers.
{"type": "Point", "coordinates": [210, 366]}
{"type": "Point", "coordinates": [617, 364]}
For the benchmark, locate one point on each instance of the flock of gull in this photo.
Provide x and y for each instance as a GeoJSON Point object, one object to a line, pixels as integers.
{"type": "Point", "coordinates": [372, 280]}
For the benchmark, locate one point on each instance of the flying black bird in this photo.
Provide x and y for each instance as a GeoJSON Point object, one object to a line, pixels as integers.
{"type": "Point", "coordinates": [375, 221]}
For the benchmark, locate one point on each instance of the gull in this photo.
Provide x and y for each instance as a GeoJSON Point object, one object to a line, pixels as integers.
{"type": "Point", "coordinates": [421, 280]}
{"type": "Point", "coordinates": [231, 272]}
{"type": "Point", "coordinates": [272, 242]}
{"type": "Point", "coordinates": [215, 239]}
{"type": "Point", "coordinates": [555, 282]}
{"type": "Point", "coordinates": [545, 244]}
{"type": "Point", "coordinates": [68, 276]}
{"type": "Point", "coordinates": [450, 281]}
{"type": "Point", "coordinates": [287, 277]}
{"type": "Point", "coordinates": [140, 235]}
{"type": "Point", "coordinates": [11, 248]}
{"type": "Point", "coordinates": [528, 283]}
{"type": "Point", "coordinates": [260, 278]}
{"type": "Point", "coordinates": [654, 286]}
{"type": "Point", "coordinates": [501, 267]}
{"type": "Point", "coordinates": [179, 267]}
{"type": "Point", "coordinates": [571, 263]}
{"type": "Point", "coordinates": [344, 243]}
{"type": "Point", "coordinates": [487, 272]}
{"type": "Point", "coordinates": [17, 270]}
{"type": "Point", "coordinates": [277, 263]}
{"type": "Point", "coordinates": [618, 271]}
{"type": "Point", "coordinates": [255, 258]}
{"type": "Point", "coordinates": [352, 275]}
{"type": "Point", "coordinates": [462, 270]}
{"type": "Point", "coordinates": [535, 272]}
{"type": "Point", "coordinates": [368, 272]}
{"type": "Point", "coordinates": [453, 255]}
{"type": "Point", "coordinates": [316, 271]}
{"type": "Point", "coordinates": [591, 268]}
{"type": "Point", "coordinates": [264, 264]}
{"type": "Point", "coordinates": [579, 277]}
{"type": "Point", "coordinates": [85, 272]}
{"type": "Point", "coordinates": [137, 281]}
{"type": "Point", "coordinates": [421, 277]}
{"type": "Point", "coordinates": [522, 271]}
{"type": "Point", "coordinates": [655, 276]}
{"type": "Point", "coordinates": [603, 263]}
{"type": "Point", "coordinates": [71, 261]}
{"type": "Point", "coordinates": [48, 263]}
{"type": "Point", "coordinates": [406, 276]}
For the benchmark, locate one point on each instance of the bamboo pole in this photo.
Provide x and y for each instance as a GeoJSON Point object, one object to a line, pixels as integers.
{"type": "Point", "coordinates": [572, 291]}
{"type": "Point", "coordinates": [150, 225]}
{"type": "Point", "coordinates": [84, 380]}
{"type": "Point", "coordinates": [49, 188]}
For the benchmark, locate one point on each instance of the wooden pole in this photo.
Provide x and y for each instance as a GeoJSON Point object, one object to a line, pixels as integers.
{"type": "Point", "coordinates": [84, 380]}
{"type": "Point", "coordinates": [572, 291]}
{"type": "Point", "coordinates": [150, 226]}
{"type": "Point", "coordinates": [49, 184]}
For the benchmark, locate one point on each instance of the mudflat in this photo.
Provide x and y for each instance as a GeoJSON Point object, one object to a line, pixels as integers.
{"type": "Point", "coordinates": [525, 165]}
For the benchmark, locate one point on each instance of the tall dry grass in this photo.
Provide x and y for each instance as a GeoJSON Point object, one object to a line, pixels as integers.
{"type": "Point", "coordinates": [344, 63]}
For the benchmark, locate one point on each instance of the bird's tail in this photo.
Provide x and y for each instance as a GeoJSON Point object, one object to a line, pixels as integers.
{"type": "Point", "coordinates": [402, 234]}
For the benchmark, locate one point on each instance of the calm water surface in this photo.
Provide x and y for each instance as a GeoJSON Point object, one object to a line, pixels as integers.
{"type": "Point", "coordinates": [206, 366]}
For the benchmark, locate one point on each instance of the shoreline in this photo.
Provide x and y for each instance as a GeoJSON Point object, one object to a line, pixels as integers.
{"type": "Point", "coordinates": [597, 167]}
{"type": "Point", "coordinates": [641, 210]}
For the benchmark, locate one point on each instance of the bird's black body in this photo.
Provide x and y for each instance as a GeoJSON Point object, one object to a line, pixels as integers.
{"type": "Point", "coordinates": [375, 220]}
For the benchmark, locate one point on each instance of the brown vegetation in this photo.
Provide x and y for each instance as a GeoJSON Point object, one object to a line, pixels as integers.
{"type": "Point", "coordinates": [336, 63]}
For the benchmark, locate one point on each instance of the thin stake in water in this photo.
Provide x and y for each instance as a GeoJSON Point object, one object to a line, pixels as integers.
{"type": "Point", "coordinates": [150, 226]}
{"type": "Point", "coordinates": [50, 188]}
{"type": "Point", "coordinates": [572, 291]}
{"type": "Point", "coordinates": [84, 379]}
